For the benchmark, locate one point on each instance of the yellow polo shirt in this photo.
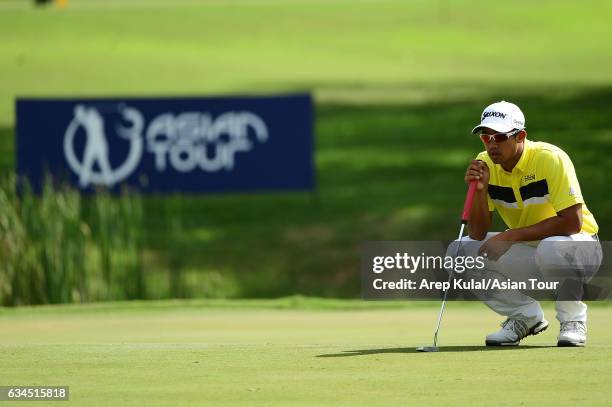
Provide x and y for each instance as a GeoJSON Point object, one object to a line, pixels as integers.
{"type": "Point", "coordinates": [541, 184]}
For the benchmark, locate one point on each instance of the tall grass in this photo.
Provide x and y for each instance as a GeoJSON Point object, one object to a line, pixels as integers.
{"type": "Point", "coordinates": [117, 235]}
{"type": "Point", "coordinates": [54, 251]}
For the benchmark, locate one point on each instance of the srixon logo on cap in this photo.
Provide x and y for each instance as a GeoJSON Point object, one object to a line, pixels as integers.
{"type": "Point", "coordinates": [494, 114]}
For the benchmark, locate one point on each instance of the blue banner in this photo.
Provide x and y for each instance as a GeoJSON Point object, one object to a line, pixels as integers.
{"type": "Point", "coordinates": [169, 144]}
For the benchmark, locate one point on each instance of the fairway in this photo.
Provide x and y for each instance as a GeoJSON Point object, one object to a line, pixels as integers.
{"type": "Point", "coordinates": [347, 353]}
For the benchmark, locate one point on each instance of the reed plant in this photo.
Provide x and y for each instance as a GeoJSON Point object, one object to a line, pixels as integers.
{"type": "Point", "coordinates": [52, 250]}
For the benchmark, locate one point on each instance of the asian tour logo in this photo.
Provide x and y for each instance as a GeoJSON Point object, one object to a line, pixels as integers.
{"type": "Point", "coordinates": [96, 149]}
{"type": "Point", "coordinates": [184, 142]}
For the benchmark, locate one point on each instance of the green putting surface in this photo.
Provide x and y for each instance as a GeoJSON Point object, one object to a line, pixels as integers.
{"type": "Point", "coordinates": [241, 354]}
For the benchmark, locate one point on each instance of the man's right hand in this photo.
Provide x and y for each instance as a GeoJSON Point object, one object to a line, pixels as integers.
{"type": "Point", "coordinates": [478, 170]}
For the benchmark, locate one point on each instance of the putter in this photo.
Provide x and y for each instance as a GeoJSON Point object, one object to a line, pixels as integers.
{"type": "Point", "coordinates": [465, 215]}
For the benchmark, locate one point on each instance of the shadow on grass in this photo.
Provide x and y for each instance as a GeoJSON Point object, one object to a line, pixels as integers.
{"type": "Point", "coordinates": [476, 348]}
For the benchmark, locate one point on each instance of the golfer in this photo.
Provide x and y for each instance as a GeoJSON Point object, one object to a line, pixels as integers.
{"type": "Point", "coordinates": [533, 187]}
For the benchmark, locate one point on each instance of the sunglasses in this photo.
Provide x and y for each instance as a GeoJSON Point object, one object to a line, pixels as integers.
{"type": "Point", "coordinates": [498, 137]}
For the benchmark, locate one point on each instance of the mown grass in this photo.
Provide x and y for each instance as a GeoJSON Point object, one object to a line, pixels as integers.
{"type": "Point", "coordinates": [398, 86]}
{"type": "Point", "coordinates": [175, 354]}
{"type": "Point", "coordinates": [187, 47]}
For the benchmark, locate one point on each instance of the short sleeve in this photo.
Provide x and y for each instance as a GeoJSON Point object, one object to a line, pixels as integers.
{"type": "Point", "coordinates": [563, 187]}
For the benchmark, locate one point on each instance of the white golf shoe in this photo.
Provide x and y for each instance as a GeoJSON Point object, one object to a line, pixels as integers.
{"type": "Point", "coordinates": [572, 333]}
{"type": "Point", "coordinates": [513, 330]}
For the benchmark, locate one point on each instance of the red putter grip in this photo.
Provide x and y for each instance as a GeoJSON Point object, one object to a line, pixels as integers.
{"type": "Point", "coordinates": [469, 198]}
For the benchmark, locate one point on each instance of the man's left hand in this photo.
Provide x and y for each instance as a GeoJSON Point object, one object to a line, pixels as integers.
{"type": "Point", "coordinates": [497, 246]}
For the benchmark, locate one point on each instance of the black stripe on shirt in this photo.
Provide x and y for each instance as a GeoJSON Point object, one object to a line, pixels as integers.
{"type": "Point", "coordinates": [536, 189]}
{"type": "Point", "coordinates": [505, 194]}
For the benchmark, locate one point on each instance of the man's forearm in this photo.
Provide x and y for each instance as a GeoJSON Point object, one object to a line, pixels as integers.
{"type": "Point", "coordinates": [480, 218]}
{"type": "Point", "coordinates": [555, 226]}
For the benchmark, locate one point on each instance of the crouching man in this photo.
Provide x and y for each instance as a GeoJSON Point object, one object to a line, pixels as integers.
{"type": "Point", "coordinates": [534, 188]}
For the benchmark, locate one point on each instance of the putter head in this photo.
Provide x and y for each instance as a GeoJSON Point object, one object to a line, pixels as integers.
{"type": "Point", "coordinates": [427, 349]}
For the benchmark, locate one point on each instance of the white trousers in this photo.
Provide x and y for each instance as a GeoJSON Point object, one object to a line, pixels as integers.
{"type": "Point", "coordinates": [524, 261]}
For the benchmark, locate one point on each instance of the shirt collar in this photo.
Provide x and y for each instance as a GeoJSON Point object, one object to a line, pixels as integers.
{"type": "Point", "coordinates": [521, 165]}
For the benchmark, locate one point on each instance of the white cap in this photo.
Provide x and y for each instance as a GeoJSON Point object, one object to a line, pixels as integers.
{"type": "Point", "coordinates": [502, 117]}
